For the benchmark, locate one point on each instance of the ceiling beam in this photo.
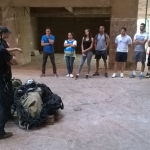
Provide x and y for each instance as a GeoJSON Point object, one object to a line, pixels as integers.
{"type": "Point", "coordinates": [70, 9]}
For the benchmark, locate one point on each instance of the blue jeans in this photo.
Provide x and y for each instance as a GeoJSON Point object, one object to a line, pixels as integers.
{"type": "Point", "coordinates": [69, 63]}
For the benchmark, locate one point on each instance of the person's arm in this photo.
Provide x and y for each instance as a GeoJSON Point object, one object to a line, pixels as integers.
{"type": "Point", "coordinates": [129, 42]}
{"type": "Point", "coordinates": [13, 61]}
{"type": "Point", "coordinates": [11, 50]}
{"type": "Point", "coordinates": [51, 40]}
{"type": "Point", "coordinates": [43, 42]}
{"type": "Point", "coordinates": [74, 44]}
{"type": "Point", "coordinates": [66, 45]}
{"type": "Point", "coordinates": [91, 46]}
{"type": "Point", "coordinates": [95, 42]}
{"type": "Point", "coordinates": [107, 41]}
{"type": "Point", "coordinates": [141, 42]}
{"type": "Point", "coordinates": [9, 58]}
{"type": "Point", "coordinates": [82, 49]}
{"type": "Point", "coordinates": [116, 43]}
{"type": "Point", "coordinates": [149, 43]}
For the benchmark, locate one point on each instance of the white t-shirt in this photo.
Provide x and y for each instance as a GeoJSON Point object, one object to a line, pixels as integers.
{"type": "Point", "coordinates": [140, 37]}
{"type": "Point", "coordinates": [74, 43]}
{"type": "Point", "coordinates": [123, 42]}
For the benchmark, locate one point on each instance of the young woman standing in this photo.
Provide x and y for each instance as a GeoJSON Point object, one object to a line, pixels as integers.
{"type": "Point", "coordinates": [69, 50]}
{"type": "Point", "coordinates": [86, 49]}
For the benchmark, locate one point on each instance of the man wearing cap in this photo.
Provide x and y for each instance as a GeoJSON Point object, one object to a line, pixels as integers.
{"type": "Point", "coordinates": [5, 32]}
{"type": "Point", "coordinates": [6, 93]}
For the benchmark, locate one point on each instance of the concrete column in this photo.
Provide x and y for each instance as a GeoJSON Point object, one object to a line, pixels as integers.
{"type": "Point", "coordinates": [17, 19]}
{"type": "Point", "coordinates": [124, 13]}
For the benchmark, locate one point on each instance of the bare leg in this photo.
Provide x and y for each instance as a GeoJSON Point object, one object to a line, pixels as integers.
{"type": "Point", "coordinates": [122, 67]}
{"type": "Point", "coordinates": [143, 67]}
{"type": "Point", "coordinates": [105, 64]}
{"type": "Point", "coordinates": [116, 67]}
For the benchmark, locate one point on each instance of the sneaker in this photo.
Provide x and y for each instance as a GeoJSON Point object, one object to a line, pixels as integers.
{"type": "Point", "coordinates": [121, 75]}
{"type": "Point", "coordinates": [6, 135]}
{"type": "Point", "coordinates": [147, 75]}
{"type": "Point", "coordinates": [68, 75]}
{"type": "Point", "coordinates": [77, 76]}
{"type": "Point", "coordinates": [141, 76]}
{"type": "Point", "coordinates": [71, 76]}
{"type": "Point", "coordinates": [42, 75]}
{"type": "Point", "coordinates": [55, 75]}
{"type": "Point", "coordinates": [87, 76]}
{"type": "Point", "coordinates": [106, 75]}
{"type": "Point", "coordinates": [114, 75]}
{"type": "Point", "coordinates": [132, 76]}
{"type": "Point", "coordinates": [96, 74]}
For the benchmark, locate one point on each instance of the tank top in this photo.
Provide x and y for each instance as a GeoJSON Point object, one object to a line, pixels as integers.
{"type": "Point", "coordinates": [86, 44]}
{"type": "Point", "coordinates": [101, 43]}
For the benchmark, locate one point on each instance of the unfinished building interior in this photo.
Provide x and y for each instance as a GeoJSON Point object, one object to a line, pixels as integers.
{"type": "Point", "coordinates": [28, 20]}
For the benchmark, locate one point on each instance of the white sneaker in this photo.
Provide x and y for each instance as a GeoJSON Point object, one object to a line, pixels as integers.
{"type": "Point", "coordinates": [121, 75]}
{"type": "Point", "coordinates": [114, 75]}
{"type": "Point", "coordinates": [68, 75]}
{"type": "Point", "coordinates": [71, 75]}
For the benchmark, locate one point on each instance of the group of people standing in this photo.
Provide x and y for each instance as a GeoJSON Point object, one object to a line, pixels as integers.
{"type": "Point", "coordinates": [101, 45]}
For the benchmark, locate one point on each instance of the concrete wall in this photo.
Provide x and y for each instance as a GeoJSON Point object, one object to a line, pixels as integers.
{"type": "Point", "coordinates": [124, 13]}
{"type": "Point", "coordinates": [34, 33]}
{"type": "Point", "coordinates": [17, 19]}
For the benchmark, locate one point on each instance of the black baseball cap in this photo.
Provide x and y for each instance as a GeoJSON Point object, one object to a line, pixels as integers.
{"type": "Point", "coordinates": [4, 30]}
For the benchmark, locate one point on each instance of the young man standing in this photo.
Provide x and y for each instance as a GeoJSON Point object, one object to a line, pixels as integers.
{"type": "Point", "coordinates": [123, 41]}
{"type": "Point", "coordinates": [47, 42]}
{"type": "Point", "coordinates": [148, 63]}
{"type": "Point", "coordinates": [139, 52]}
{"type": "Point", "coordinates": [6, 92]}
{"type": "Point", "coordinates": [101, 47]}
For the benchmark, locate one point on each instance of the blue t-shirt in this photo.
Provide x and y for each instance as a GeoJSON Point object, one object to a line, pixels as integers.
{"type": "Point", "coordinates": [48, 48]}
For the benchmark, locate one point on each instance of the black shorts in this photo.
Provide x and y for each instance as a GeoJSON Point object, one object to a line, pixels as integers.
{"type": "Point", "coordinates": [101, 54]}
{"type": "Point", "coordinates": [148, 63]}
{"type": "Point", "coordinates": [121, 56]}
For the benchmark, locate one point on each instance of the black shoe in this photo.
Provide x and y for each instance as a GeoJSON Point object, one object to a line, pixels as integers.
{"type": "Point", "coordinates": [106, 75]}
{"type": "Point", "coordinates": [87, 76]}
{"type": "Point", "coordinates": [147, 75]}
{"type": "Point", "coordinates": [96, 74]}
{"type": "Point", "coordinates": [6, 135]}
{"type": "Point", "coordinates": [77, 76]}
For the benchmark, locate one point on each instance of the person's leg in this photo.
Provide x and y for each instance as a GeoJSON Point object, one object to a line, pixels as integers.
{"type": "Point", "coordinates": [45, 56]}
{"type": "Point", "coordinates": [117, 60]}
{"type": "Point", "coordinates": [67, 58]}
{"type": "Point", "coordinates": [71, 64]}
{"type": "Point", "coordinates": [6, 98]}
{"type": "Point", "coordinates": [82, 60]}
{"type": "Point", "coordinates": [136, 58]}
{"type": "Point", "coordinates": [104, 56]}
{"type": "Point", "coordinates": [89, 58]}
{"type": "Point", "coordinates": [52, 58]}
{"type": "Point", "coordinates": [142, 59]}
{"type": "Point", "coordinates": [148, 64]}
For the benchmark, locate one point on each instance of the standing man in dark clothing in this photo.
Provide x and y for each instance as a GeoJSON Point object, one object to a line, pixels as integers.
{"type": "Point", "coordinates": [47, 42]}
{"type": "Point", "coordinates": [5, 33]}
{"type": "Point", "coordinates": [6, 93]}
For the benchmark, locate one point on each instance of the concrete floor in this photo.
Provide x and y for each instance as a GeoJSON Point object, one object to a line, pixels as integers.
{"type": "Point", "coordinates": [99, 114]}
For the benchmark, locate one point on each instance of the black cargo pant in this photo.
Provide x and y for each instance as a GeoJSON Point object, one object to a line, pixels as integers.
{"type": "Point", "coordinates": [52, 58]}
{"type": "Point", "coordinates": [6, 99]}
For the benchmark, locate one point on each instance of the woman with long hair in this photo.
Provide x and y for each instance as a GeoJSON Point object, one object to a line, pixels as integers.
{"type": "Point", "coordinates": [86, 49]}
{"type": "Point", "coordinates": [69, 51]}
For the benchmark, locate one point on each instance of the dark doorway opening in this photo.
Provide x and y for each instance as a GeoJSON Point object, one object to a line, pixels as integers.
{"type": "Point", "coordinates": [60, 26]}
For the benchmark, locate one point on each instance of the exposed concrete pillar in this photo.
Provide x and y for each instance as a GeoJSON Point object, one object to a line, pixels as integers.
{"type": "Point", "coordinates": [17, 19]}
{"type": "Point", "coordinates": [123, 14]}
